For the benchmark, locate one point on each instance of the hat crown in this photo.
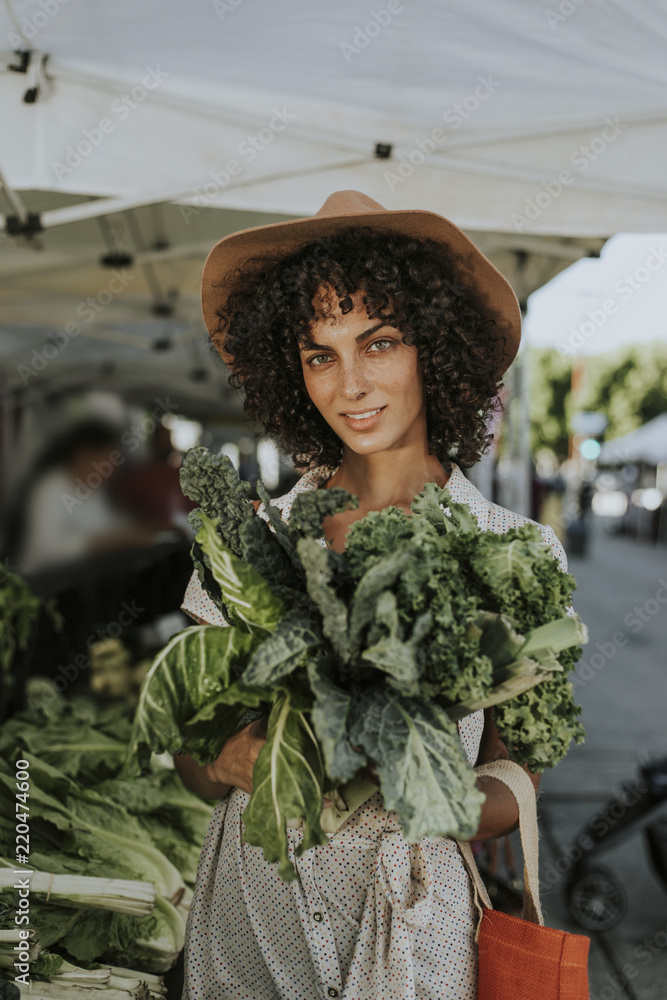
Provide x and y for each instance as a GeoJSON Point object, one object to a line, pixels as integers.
{"type": "Point", "coordinates": [246, 250]}
{"type": "Point", "coordinates": [348, 203]}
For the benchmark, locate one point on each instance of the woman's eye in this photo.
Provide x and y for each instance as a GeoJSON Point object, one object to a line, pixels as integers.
{"type": "Point", "coordinates": [379, 343]}
{"type": "Point", "coordinates": [314, 360]}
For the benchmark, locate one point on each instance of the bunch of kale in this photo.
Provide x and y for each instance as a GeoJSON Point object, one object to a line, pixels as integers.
{"type": "Point", "coordinates": [369, 656]}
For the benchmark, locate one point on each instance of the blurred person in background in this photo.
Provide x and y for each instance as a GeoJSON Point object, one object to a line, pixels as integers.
{"type": "Point", "coordinates": [64, 511]}
{"type": "Point", "coordinates": [151, 490]}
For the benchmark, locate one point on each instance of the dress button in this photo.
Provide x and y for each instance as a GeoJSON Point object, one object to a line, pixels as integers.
{"type": "Point", "coordinates": [331, 992]}
{"type": "Point", "coordinates": [318, 916]}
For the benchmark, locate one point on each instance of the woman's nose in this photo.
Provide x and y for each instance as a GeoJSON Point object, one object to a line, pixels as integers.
{"type": "Point", "coordinates": [353, 381]}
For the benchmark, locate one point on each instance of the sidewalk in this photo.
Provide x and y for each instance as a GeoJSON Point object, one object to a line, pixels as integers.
{"type": "Point", "coordinates": [623, 693]}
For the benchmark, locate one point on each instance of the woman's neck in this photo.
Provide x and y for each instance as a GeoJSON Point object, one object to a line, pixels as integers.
{"type": "Point", "coordinates": [386, 479]}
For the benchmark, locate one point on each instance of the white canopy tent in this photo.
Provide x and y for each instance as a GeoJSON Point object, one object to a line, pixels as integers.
{"type": "Point", "coordinates": [520, 93]}
{"type": "Point", "coordinates": [136, 134]}
{"type": "Point", "coordinates": [648, 444]}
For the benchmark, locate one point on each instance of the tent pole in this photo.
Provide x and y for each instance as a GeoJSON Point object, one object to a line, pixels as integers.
{"type": "Point", "coordinates": [14, 199]}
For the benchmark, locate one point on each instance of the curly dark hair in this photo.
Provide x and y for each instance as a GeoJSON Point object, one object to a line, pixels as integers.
{"type": "Point", "coordinates": [269, 315]}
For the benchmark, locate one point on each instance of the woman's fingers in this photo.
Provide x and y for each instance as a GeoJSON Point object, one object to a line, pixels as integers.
{"type": "Point", "coordinates": [235, 762]}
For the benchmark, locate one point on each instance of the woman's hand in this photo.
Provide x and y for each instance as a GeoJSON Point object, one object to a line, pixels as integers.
{"type": "Point", "coordinates": [233, 766]}
{"type": "Point", "coordinates": [235, 762]}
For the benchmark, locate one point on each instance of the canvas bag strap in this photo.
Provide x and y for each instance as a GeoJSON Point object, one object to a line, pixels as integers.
{"type": "Point", "coordinates": [481, 898]}
{"type": "Point", "coordinates": [521, 787]}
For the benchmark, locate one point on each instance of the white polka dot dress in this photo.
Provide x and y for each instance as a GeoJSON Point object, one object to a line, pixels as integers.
{"type": "Point", "coordinates": [370, 917]}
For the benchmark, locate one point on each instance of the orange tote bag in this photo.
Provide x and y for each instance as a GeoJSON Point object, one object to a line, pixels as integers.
{"type": "Point", "coordinates": [521, 959]}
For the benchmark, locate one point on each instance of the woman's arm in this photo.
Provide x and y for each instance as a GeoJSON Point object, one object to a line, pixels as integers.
{"type": "Point", "coordinates": [500, 814]}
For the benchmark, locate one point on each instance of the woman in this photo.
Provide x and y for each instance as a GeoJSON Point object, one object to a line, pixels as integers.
{"type": "Point", "coordinates": [371, 344]}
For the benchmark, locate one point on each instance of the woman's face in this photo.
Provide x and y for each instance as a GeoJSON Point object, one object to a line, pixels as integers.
{"type": "Point", "coordinates": [363, 379]}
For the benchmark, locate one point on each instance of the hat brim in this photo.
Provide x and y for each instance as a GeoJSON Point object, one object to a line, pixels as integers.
{"type": "Point", "coordinates": [489, 290]}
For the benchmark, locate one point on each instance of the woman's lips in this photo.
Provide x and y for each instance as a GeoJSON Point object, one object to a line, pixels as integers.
{"type": "Point", "coordinates": [363, 424]}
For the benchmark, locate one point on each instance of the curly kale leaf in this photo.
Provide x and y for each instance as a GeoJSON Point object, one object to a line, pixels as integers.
{"type": "Point", "coordinates": [375, 537]}
{"type": "Point", "coordinates": [309, 510]}
{"type": "Point", "coordinates": [434, 605]}
{"type": "Point", "coordinates": [456, 517]}
{"type": "Point", "coordinates": [213, 483]}
{"type": "Point", "coordinates": [521, 577]}
{"type": "Point", "coordinates": [538, 725]}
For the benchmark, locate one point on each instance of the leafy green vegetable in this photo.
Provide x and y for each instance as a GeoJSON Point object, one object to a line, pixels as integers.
{"type": "Point", "coordinates": [365, 656]}
{"type": "Point", "coordinates": [97, 852]}
{"type": "Point", "coordinates": [310, 509]}
{"type": "Point", "coordinates": [296, 640]}
{"type": "Point", "coordinates": [332, 609]}
{"type": "Point", "coordinates": [84, 823]}
{"type": "Point", "coordinates": [81, 891]}
{"type": "Point", "coordinates": [249, 601]}
{"type": "Point", "coordinates": [19, 607]}
{"type": "Point", "coordinates": [288, 782]}
{"type": "Point", "coordinates": [423, 769]}
{"type": "Point", "coordinates": [195, 667]}
{"type": "Point", "coordinates": [212, 482]}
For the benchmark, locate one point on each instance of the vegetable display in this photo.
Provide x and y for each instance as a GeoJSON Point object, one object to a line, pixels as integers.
{"type": "Point", "coordinates": [108, 859]}
{"type": "Point", "coordinates": [366, 657]}
{"type": "Point", "coordinates": [19, 609]}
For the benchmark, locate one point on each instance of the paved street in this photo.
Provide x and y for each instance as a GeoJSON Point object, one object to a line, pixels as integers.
{"type": "Point", "coordinates": [622, 597]}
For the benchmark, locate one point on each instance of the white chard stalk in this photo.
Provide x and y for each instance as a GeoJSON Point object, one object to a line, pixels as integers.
{"type": "Point", "coordinates": [120, 895]}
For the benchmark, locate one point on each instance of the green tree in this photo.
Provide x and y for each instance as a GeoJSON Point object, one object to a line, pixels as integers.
{"type": "Point", "coordinates": [550, 374]}
{"type": "Point", "coordinates": [628, 385]}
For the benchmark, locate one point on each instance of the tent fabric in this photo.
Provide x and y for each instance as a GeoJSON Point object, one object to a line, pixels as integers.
{"type": "Point", "coordinates": [647, 444]}
{"type": "Point", "coordinates": [161, 126]}
{"type": "Point", "coordinates": [542, 118]}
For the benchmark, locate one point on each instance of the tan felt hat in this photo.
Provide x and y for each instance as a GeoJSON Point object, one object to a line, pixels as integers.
{"type": "Point", "coordinates": [490, 291]}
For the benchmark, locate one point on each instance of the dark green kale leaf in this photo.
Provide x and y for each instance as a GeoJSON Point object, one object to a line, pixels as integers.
{"type": "Point", "coordinates": [331, 719]}
{"type": "Point", "coordinates": [309, 510]}
{"type": "Point", "coordinates": [424, 772]}
{"type": "Point", "coordinates": [319, 567]}
{"type": "Point", "coordinates": [213, 483]}
{"type": "Point", "coordinates": [297, 638]}
{"type": "Point", "coordinates": [282, 534]}
{"type": "Point", "coordinates": [261, 547]}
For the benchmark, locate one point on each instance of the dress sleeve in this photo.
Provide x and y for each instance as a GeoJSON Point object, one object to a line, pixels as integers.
{"type": "Point", "coordinates": [551, 538]}
{"type": "Point", "coordinates": [198, 605]}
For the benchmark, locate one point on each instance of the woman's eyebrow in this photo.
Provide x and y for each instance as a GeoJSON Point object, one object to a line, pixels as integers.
{"type": "Point", "coordinates": [310, 346]}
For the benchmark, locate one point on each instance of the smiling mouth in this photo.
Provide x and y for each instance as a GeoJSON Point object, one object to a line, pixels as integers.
{"type": "Point", "coordinates": [363, 416]}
